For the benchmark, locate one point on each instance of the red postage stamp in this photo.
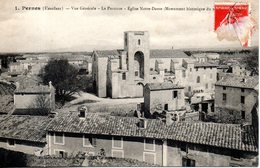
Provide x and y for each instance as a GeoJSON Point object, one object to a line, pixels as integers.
{"type": "Point", "coordinates": [233, 22]}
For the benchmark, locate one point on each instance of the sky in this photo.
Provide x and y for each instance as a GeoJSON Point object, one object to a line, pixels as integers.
{"type": "Point", "coordinates": [82, 30]}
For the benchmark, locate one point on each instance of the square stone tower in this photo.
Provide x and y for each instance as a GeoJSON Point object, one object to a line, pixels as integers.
{"type": "Point", "coordinates": [136, 43]}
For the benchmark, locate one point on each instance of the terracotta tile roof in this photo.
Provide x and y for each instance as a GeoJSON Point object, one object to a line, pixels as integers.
{"type": "Point", "coordinates": [249, 82]}
{"type": "Point", "coordinates": [190, 60]}
{"type": "Point", "coordinates": [212, 134]}
{"type": "Point", "coordinates": [106, 53]}
{"type": "Point", "coordinates": [205, 64]}
{"type": "Point", "coordinates": [200, 55]}
{"type": "Point", "coordinates": [163, 53]}
{"type": "Point", "coordinates": [158, 53]}
{"type": "Point", "coordinates": [162, 86]}
{"type": "Point", "coordinates": [223, 67]}
{"type": "Point", "coordinates": [30, 128]}
{"type": "Point", "coordinates": [33, 89]}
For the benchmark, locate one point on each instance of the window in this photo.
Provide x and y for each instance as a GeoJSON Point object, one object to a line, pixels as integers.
{"type": "Point", "coordinates": [189, 88]}
{"type": "Point", "coordinates": [196, 69]}
{"type": "Point", "coordinates": [59, 138]}
{"type": "Point", "coordinates": [186, 162]}
{"type": "Point", "coordinates": [175, 94]}
{"type": "Point", "coordinates": [11, 143]}
{"type": "Point", "coordinates": [165, 70]}
{"type": "Point", "coordinates": [224, 98]}
{"type": "Point", "coordinates": [151, 69]}
{"type": "Point", "coordinates": [204, 68]}
{"type": "Point", "coordinates": [242, 90]}
{"type": "Point", "coordinates": [198, 79]}
{"type": "Point", "coordinates": [60, 153]}
{"type": "Point", "coordinates": [183, 73]}
{"type": "Point", "coordinates": [149, 157]}
{"type": "Point", "coordinates": [139, 42]}
{"type": "Point", "coordinates": [154, 77]}
{"type": "Point", "coordinates": [224, 88]}
{"type": "Point", "coordinates": [166, 107]}
{"type": "Point", "coordinates": [124, 76]}
{"type": "Point", "coordinates": [243, 114]}
{"type": "Point", "coordinates": [149, 144]}
{"type": "Point", "coordinates": [206, 86]}
{"type": "Point", "coordinates": [136, 73]}
{"type": "Point", "coordinates": [89, 141]}
{"type": "Point", "coordinates": [117, 153]}
{"type": "Point", "coordinates": [117, 142]}
{"type": "Point", "coordinates": [190, 69]}
{"type": "Point", "coordinates": [138, 107]}
{"type": "Point", "coordinates": [210, 75]}
{"type": "Point", "coordinates": [243, 99]}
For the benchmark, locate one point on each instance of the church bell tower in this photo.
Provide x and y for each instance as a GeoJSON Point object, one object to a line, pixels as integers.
{"type": "Point", "coordinates": [136, 43]}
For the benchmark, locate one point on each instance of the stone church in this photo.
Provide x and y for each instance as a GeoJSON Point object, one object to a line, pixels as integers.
{"type": "Point", "coordinates": [124, 73]}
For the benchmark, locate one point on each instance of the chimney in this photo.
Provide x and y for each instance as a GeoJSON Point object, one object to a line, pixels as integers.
{"type": "Point", "coordinates": [82, 112]}
{"type": "Point", "coordinates": [169, 120]}
{"type": "Point", "coordinates": [142, 123]}
{"type": "Point", "coordinates": [243, 80]}
{"type": "Point", "coordinates": [50, 85]}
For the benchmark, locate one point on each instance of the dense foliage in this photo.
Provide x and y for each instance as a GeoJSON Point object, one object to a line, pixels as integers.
{"type": "Point", "coordinates": [251, 61]}
{"type": "Point", "coordinates": [64, 78]}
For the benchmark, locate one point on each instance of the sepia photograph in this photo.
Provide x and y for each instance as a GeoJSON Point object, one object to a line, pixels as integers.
{"type": "Point", "coordinates": [107, 83]}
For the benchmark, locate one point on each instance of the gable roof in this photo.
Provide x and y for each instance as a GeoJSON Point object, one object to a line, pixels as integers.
{"type": "Point", "coordinates": [249, 82]}
{"type": "Point", "coordinates": [167, 53]}
{"type": "Point", "coordinates": [163, 86]}
{"type": "Point", "coordinates": [157, 53]}
{"type": "Point", "coordinates": [205, 64]}
{"type": "Point", "coordinates": [213, 134]}
{"type": "Point", "coordinates": [28, 128]}
{"type": "Point", "coordinates": [200, 55]}
{"type": "Point", "coordinates": [106, 53]}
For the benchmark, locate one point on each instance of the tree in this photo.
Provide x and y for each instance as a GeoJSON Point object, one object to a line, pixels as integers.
{"type": "Point", "coordinates": [64, 78]}
{"type": "Point", "coordinates": [41, 105]}
{"type": "Point", "coordinates": [251, 61]}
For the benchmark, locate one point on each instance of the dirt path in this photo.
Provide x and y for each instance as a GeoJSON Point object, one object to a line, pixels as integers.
{"type": "Point", "coordinates": [82, 96]}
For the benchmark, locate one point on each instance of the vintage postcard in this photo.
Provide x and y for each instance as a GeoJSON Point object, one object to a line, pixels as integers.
{"type": "Point", "coordinates": [109, 83]}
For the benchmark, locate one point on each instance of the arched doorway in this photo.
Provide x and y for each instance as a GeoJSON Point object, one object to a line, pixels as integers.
{"type": "Point", "coordinates": [139, 89]}
{"type": "Point", "coordinates": [139, 64]}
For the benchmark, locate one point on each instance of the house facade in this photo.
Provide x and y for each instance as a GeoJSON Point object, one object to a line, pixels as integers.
{"type": "Point", "coordinates": [153, 141]}
{"type": "Point", "coordinates": [34, 97]}
{"type": "Point", "coordinates": [235, 98]}
{"type": "Point", "coordinates": [172, 99]}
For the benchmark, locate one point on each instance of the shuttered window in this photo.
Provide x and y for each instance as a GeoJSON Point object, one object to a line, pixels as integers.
{"type": "Point", "coordinates": [59, 138]}
{"type": "Point", "coordinates": [149, 144]}
{"type": "Point", "coordinates": [117, 142]}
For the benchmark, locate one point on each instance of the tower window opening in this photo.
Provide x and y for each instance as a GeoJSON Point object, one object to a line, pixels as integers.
{"type": "Point", "coordinates": [139, 42]}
